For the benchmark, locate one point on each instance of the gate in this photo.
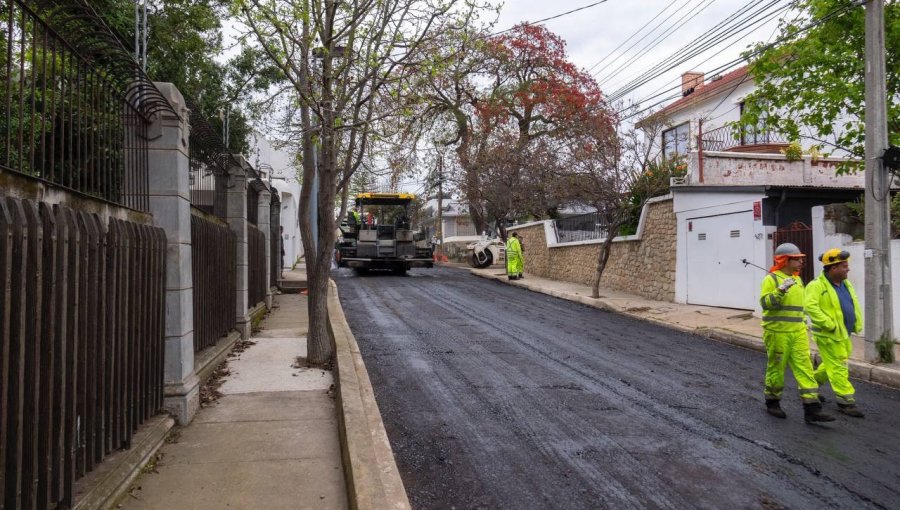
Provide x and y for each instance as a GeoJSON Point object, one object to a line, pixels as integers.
{"type": "Point", "coordinates": [800, 234]}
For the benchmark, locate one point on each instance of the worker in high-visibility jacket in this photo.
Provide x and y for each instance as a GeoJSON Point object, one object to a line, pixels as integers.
{"type": "Point", "coordinates": [785, 335]}
{"type": "Point", "coordinates": [515, 263]}
{"type": "Point", "coordinates": [835, 313]}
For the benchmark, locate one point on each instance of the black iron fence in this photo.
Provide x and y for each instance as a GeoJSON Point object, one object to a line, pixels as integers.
{"type": "Point", "coordinates": [214, 252]}
{"type": "Point", "coordinates": [253, 189]}
{"type": "Point", "coordinates": [583, 227]}
{"type": "Point", "coordinates": [210, 161]}
{"type": "Point", "coordinates": [275, 239]}
{"type": "Point", "coordinates": [731, 136]}
{"type": "Point", "coordinates": [73, 111]}
{"type": "Point", "coordinates": [257, 279]}
{"type": "Point", "coordinates": [82, 334]}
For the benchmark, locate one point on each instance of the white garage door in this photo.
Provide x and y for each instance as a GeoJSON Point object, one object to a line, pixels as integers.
{"type": "Point", "coordinates": [715, 274]}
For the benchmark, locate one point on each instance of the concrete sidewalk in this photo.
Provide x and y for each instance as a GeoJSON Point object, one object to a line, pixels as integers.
{"type": "Point", "coordinates": [271, 441]}
{"type": "Point", "coordinates": [737, 327]}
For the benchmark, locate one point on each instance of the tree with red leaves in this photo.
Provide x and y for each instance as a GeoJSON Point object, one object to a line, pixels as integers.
{"type": "Point", "coordinates": [532, 97]}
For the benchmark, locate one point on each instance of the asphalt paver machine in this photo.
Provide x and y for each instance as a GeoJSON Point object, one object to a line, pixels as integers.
{"type": "Point", "coordinates": [377, 235]}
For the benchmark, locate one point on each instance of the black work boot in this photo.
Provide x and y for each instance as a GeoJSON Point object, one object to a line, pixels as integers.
{"type": "Point", "coordinates": [813, 412]}
{"type": "Point", "coordinates": [773, 407]}
{"type": "Point", "coordinates": [851, 410]}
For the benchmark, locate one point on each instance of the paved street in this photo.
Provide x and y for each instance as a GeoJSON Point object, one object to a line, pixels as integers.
{"type": "Point", "coordinates": [497, 397]}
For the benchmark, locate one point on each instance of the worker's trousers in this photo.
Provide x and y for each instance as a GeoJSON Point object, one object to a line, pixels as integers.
{"type": "Point", "coordinates": [833, 369]}
{"type": "Point", "coordinates": [789, 349]}
{"type": "Point", "coordinates": [514, 264]}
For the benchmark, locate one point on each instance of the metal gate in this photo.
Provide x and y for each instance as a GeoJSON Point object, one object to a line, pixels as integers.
{"type": "Point", "coordinates": [800, 234]}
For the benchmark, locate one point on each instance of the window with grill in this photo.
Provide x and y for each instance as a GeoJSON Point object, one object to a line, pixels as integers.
{"type": "Point", "coordinates": [675, 141]}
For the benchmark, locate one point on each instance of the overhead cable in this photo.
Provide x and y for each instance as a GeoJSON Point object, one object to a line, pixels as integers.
{"type": "Point", "coordinates": [722, 32]}
{"type": "Point", "coordinates": [638, 32]}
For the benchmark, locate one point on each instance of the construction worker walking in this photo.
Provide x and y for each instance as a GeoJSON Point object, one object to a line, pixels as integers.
{"type": "Point", "coordinates": [515, 263]}
{"type": "Point", "coordinates": [835, 313]}
{"type": "Point", "coordinates": [785, 335]}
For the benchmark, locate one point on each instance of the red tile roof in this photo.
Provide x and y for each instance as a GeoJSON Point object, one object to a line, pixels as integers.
{"type": "Point", "coordinates": [707, 90]}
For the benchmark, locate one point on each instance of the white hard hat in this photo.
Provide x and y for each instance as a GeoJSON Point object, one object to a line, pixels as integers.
{"type": "Point", "coordinates": [789, 249]}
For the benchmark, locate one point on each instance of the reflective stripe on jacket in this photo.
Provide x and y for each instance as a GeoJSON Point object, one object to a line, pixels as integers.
{"type": "Point", "coordinates": [824, 309]}
{"type": "Point", "coordinates": [513, 248]}
{"type": "Point", "coordinates": [782, 311]}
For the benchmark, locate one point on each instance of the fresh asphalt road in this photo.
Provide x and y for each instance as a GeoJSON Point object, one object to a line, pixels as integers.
{"type": "Point", "coordinates": [497, 397]}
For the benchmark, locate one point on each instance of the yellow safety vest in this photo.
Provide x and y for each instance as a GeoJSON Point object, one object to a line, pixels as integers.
{"type": "Point", "coordinates": [782, 311]}
{"type": "Point", "coordinates": [824, 309]}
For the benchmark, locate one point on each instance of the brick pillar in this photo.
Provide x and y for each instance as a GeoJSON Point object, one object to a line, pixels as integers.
{"type": "Point", "coordinates": [170, 205]}
{"type": "Point", "coordinates": [237, 220]}
{"type": "Point", "coordinates": [264, 223]}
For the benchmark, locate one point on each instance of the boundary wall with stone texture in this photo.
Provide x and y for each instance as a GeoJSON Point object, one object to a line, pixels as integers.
{"type": "Point", "coordinates": [642, 264]}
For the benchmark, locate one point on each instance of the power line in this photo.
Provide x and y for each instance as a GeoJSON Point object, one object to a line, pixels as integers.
{"type": "Point", "coordinates": [638, 31]}
{"type": "Point", "coordinates": [560, 15]}
{"type": "Point", "coordinates": [730, 65]}
{"type": "Point", "coordinates": [658, 92]}
{"type": "Point", "coordinates": [697, 9]}
{"type": "Point", "coordinates": [736, 24]}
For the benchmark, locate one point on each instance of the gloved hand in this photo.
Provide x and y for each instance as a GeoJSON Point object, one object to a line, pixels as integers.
{"type": "Point", "coordinates": [786, 284]}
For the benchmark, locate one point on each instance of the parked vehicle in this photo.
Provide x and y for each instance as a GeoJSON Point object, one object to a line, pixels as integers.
{"type": "Point", "coordinates": [378, 235]}
{"type": "Point", "coordinates": [485, 252]}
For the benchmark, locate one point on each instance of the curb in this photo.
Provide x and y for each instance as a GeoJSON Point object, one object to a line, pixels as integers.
{"type": "Point", "coordinates": [860, 370]}
{"type": "Point", "coordinates": [212, 356]}
{"type": "Point", "coordinates": [373, 480]}
{"type": "Point", "coordinates": [109, 482]}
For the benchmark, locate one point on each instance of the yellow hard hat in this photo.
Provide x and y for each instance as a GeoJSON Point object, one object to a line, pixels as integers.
{"type": "Point", "coordinates": [834, 256]}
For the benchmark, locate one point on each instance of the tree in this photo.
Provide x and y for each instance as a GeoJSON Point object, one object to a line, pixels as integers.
{"type": "Point", "coordinates": [616, 170]}
{"type": "Point", "coordinates": [348, 66]}
{"type": "Point", "coordinates": [184, 43]}
{"type": "Point", "coordinates": [817, 79]}
{"type": "Point", "coordinates": [508, 93]}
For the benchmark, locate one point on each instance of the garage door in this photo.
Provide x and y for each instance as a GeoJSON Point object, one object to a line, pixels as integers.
{"type": "Point", "coordinates": [715, 274]}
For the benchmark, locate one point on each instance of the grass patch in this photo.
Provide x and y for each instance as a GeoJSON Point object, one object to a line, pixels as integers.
{"type": "Point", "coordinates": [885, 349]}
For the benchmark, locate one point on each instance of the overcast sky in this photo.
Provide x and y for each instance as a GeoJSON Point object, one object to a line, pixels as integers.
{"type": "Point", "coordinates": [593, 33]}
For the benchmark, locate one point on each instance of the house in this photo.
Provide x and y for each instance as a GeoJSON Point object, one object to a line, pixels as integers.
{"type": "Point", "coordinates": [278, 166]}
{"type": "Point", "coordinates": [741, 196]}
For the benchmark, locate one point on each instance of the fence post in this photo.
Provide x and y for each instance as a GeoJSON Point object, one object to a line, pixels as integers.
{"type": "Point", "coordinates": [263, 221]}
{"type": "Point", "coordinates": [236, 212]}
{"type": "Point", "coordinates": [170, 205]}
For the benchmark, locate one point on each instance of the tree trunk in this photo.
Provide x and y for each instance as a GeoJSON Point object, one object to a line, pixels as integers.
{"type": "Point", "coordinates": [320, 345]}
{"type": "Point", "coordinates": [605, 248]}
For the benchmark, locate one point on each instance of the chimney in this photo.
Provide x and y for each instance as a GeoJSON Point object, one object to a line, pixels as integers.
{"type": "Point", "coordinates": [690, 81]}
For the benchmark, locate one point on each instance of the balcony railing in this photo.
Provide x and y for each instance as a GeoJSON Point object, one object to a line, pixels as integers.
{"type": "Point", "coordinates": [736, 137]}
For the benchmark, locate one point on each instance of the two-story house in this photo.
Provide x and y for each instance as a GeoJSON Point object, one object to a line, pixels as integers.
{"type": "Point", "coordinates": [742, 196]}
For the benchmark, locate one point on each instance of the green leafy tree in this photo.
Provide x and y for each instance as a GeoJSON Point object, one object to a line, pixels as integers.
{"type": "Point", "coordinates": [185, 40]}
{"type": "Point", "coordinates": [814, 81]}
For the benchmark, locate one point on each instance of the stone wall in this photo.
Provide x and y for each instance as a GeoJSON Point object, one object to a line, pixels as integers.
{"type": "Point", "coordinates": [644, 266]}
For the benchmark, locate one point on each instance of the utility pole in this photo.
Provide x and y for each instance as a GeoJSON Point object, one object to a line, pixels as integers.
{"type": "Point", "coordinates": [440, 211]}
{"type": "Point", "coordinates": [879, 312]}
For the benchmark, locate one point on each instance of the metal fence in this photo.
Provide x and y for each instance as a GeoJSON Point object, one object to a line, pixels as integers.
{"type": "Point", "coordinates": [82, 334]}
{"type": "Point", "coordinates": [214, 259]}
{"type": "Point", "coordinates": [253, 188]}
{"type": "Point", "coordinates": [730, 136]}
{"type": "Point", "coordinates": [275, 239]}
{"type": "Point", "coordinates": [800, 234]}
{"type": "Point", "coordinates": [209, 161]}
{"type": "Point", "coordinates": [257, 279]}
{"type": "Point", "coordinates": [583, 227]}
{"type": "Point", "coordinates": [73, 111]}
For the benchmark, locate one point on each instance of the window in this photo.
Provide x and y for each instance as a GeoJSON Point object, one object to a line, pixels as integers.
{"type": "Point", "coordinates": [675, 141]}
{"type": "Point", "coordinates": [750, 134]}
